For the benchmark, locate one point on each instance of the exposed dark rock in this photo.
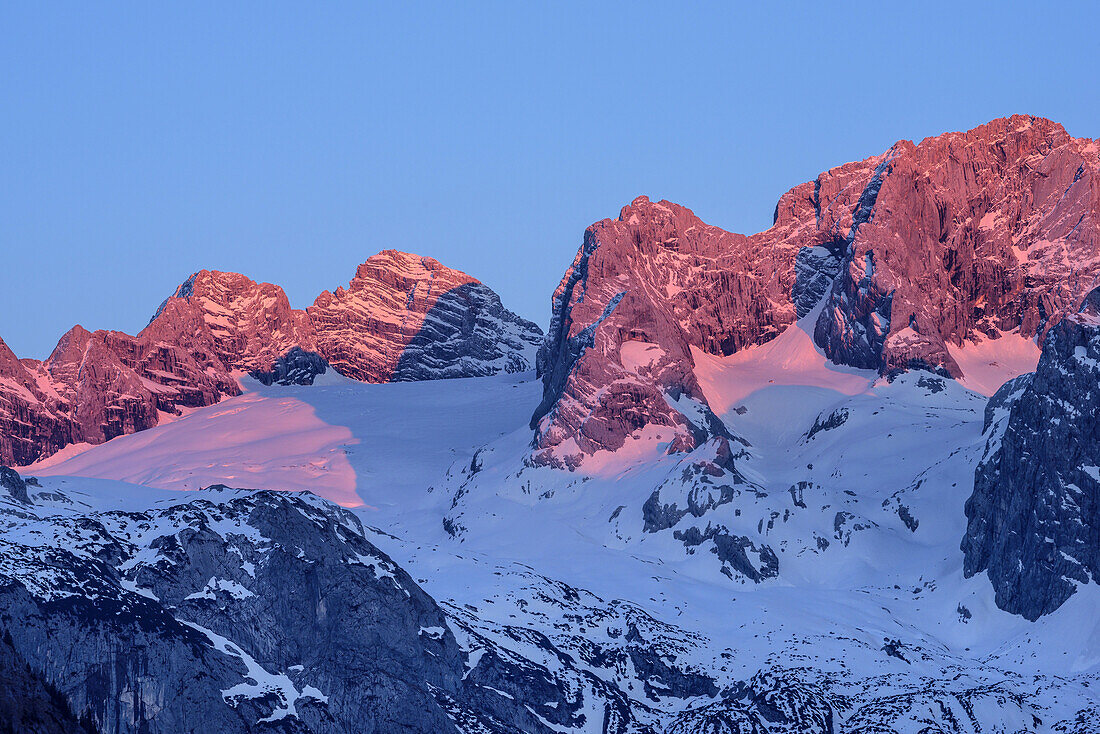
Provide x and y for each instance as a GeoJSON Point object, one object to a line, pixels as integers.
{"type": "Point", "coordinates": [700, 500]}
{"type": "Point", "coordinates": [772, 702]}
{"type": "Point", "coordinates": [242, 612]}
{"type": "Point", "coordinates": [14, 484]}
{"type": "Point", "coordinates": [943, 710]}
{"type": "Point", "coordinates": [906, 517]}
{"type": "Point", "coordinates": [855, 319]}
{"type": "Point", "coordinates": [835, 419]}
{"type": "Point", "coordinates": [468, 333]}
{"type": "Point", "coordinates": [29, 704]}
{"type": "Point", "coordinates": [816, 269]}
{"type": "Point", "coordinates": [407, 317]}
{"type": "Point", "coordinates": [296, 367]}
{"type": "Point", "coordinates": [736, 552]}
{"type": "Point", "coordinates": [895, 649]}
{"type": "Point", "coordinates": [845, 523]}
{"type": "Point", "coordinates": [1034, 516]}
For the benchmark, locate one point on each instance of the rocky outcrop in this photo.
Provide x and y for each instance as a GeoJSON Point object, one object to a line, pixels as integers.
{"type": "Point", "coordinates": [402, 318]}
{"type": "Point", "coordinates": [1034, 516]}
{"type": "Point", "coordinates": [235, 611]}
{"type": "Point", "coordinates": [98, 385]}
{"type": "Point", "coordinates": [960, 236]}
{"type": "Point", "coordinates": [468, 333]}
{"type": "Point", "coordinates": [769, 702]}
{"type": "Point", "coordinates": [247, 325]}
{"type": "Point", "coordinates": [406, 317]}
{"type": "Point", "coordinates": [30, 424]}
{"type": "Point", "coordinates": [296, 367]}
{"type": "Point", "coordinates": [990, 230]}
{"type": "Point", "coordinates": [643, 290]}
{"type": "Point", "coordinates": [112, 384]}
{"type": "Point", "coordinates": [939, 708]}
{"type": "Point", "coordinates": [13, 484]}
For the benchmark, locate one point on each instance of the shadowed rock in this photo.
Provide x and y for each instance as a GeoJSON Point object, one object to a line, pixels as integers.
{"type": "Point", "coordinates": [468, 333]}
{"type": "Point", "coordinates": [1034, 516]}
{"type": "Point", "coordinates": [296, 367]}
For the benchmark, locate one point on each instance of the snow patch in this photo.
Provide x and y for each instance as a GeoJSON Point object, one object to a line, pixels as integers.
{"type": "Point", "coordinates": [989, 363]}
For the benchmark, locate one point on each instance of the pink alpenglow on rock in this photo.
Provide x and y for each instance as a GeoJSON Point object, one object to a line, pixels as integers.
{"type": "Point", "coordinates": [403, 317]}
{"type": "Point", "coordinates": [905, 260]}
{"type": "Point", "coordinates": [249, 324]}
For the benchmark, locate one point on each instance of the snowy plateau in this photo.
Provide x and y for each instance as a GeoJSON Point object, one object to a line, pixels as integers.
{"type": "Point", "coordinates": [838, 501]}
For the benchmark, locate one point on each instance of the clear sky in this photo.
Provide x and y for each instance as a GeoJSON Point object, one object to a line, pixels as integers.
{"type": "Point", "coordinates": [290, 141]}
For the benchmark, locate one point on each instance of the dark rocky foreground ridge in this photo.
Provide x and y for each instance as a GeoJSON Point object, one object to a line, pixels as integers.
{"type": "Point", "coordinates": [402, 317]}
{"type": "Point", "coordinates": [254, 611]}
{"type": "Point", "coordinates": [235, 612]}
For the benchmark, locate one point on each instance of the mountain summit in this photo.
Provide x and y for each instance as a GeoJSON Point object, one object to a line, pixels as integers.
{"type": "Point", "coordinates": [902, 260]}
{"type": "Point", "coordinates": [838, 477]}
{"type": "Point", "coordinates": [403, 317]}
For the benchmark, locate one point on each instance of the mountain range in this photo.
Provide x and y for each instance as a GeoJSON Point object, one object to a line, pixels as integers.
{"type": "Point", "coordinates": [842, 475]}
{"type": "Point", "coordinates": [402, 317]}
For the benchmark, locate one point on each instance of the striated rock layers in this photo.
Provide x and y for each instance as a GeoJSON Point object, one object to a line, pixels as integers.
{"type": "Point", "coordinates": [958, 237]}
{"type": "Point", "coordinates": [403, 317]}
{"type": "Point", "coordinates": [1034, 516]}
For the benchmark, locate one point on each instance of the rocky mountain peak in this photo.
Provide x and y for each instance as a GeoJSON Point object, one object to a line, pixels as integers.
{"type": "Point", "coordinates": [411, 266]}
{"type": "Point", "coordinates": [402, 317]}
{"type": "Point", "coordinates": [248, 324]}
{"type": "Point", "coordinates": [905, 257]}
{"type": "Point", "coordinates": [71, 343]}
{"type": "Point", "coordinates": [968, 233]}
{"type": "Point", "coordinates": [406, 316]}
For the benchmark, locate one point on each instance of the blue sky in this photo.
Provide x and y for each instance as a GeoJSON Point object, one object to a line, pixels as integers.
{"type": "Point", "coordinates": [290, 141]}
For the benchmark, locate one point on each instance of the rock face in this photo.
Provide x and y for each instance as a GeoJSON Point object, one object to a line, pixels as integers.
{"type": "Point", "coordinates": [236, 611]}
{"type": "Point", "coordinates": [1034, 517]}
{"type": "Point", "coordinates": [13, 484]}
{"type": "Point", "coordinates": [247, 324]}
{"type": "Point", "coordinates": [95, 386]}
{"type": "Point", "coordinates": [31, 705]}
{"type": "Point", "coordinates": [929, 244]}
{"type": "Point", "coordinates": [29, 427]}
{"type": "Point", "coordinates": [296, 367]}
{"type": "Point", "coordinates": [406, 317]}
{"type": "Point", "coordinates": [403, 318]}
{"type": "Point", "coordinates": [468, 333]}
{"type": "Point", "coordinates": [643, 290]}
{"type": "Point", "coordinates": [990, 230]}
{"type": "Point", "coordinates": [769, 702]}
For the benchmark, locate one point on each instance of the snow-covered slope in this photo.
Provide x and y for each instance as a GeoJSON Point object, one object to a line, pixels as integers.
{"type": "Point", "coordinates": [237, 611]}
{"type": "Point", "coordinates": [821, 576]}
{"type": "Point", "coordinates": [758, 485]}
{"type": "Point", "coordinates": [344, 440]}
